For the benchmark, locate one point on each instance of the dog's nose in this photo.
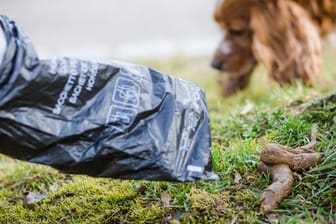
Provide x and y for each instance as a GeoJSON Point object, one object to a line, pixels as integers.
{"type": "Point", "coordinates": [217, 64]}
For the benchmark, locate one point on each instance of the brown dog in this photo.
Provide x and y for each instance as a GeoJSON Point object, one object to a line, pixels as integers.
{"type": "Point", "coordinates": [283, 35]}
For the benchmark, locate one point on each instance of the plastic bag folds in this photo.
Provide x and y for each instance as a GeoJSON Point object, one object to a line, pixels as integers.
{"type": "Point", "coordinates": [115, 119]}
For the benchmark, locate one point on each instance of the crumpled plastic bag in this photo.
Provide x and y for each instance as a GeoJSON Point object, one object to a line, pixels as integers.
{"type": "Point", "coordinates": [113, 119]}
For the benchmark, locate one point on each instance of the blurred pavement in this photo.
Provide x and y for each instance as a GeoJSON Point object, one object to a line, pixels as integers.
{"type": "Point", "coordinates": [119, 29]}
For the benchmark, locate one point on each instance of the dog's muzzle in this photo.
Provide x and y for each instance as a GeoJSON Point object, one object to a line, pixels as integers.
{"type": "Point", "coordinates": [217, 64]}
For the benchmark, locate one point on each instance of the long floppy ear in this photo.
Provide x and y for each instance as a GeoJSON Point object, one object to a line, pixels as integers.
{"type": "Point", "coordinates": [323, 12]}
{"type": "Point", "coordinates": [286, 41]}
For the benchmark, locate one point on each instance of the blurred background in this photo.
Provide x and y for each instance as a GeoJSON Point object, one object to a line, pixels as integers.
{"type": "Point", "coordinates": [118, 29]}
{"type": "Point", "coordinates": [177, 37]}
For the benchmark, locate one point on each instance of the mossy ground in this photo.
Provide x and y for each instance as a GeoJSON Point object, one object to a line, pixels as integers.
{"type": "Point", "coordinates": [241, 126]}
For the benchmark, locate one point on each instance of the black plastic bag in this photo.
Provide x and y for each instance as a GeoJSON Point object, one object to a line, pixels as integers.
{"type": "Point", "coordinates": [100, 119]}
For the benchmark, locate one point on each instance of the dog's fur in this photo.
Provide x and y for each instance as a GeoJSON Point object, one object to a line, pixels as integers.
{"type": "Point", "coordinates": [283, 35]}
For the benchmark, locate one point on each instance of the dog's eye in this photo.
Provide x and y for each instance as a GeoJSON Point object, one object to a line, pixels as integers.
{"type": "Point", "coordinates": [236, 32]}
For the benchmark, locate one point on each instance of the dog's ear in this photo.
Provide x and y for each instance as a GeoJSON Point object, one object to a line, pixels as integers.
{"type": "Point", "coordinates": [285, 40]}
{"type": "Point", "coordinates": [217, 12]}
{"type": "Point", "coordinates": [227, 10]}
{"type": "Point", "coordinates": [323, 13]}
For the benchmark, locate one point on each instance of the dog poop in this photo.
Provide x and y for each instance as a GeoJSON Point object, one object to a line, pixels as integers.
{"type": "Point", "coordinates": [282, 177]}
{"type": "Point", "coordinates": [280, 161]}
{"type": "Point", "coordinates": [277, 154]}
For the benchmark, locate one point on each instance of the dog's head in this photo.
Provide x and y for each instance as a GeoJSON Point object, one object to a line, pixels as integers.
{"type": "Point", "coordinates": [278, 33]}
{"type": "Point", "coordinates": [234, 53]}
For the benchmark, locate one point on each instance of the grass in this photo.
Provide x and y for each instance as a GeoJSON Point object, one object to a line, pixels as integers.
{"type": "Point", "coordinates": [241, 126]}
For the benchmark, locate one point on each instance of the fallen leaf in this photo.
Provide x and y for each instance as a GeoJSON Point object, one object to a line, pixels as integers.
{"type": "Point", "coordinates": [165, 199]}
{"type": "Point", "coordinates": [273, 217]}
{"type": "Point", "coordinates": [237, 178]}
{"type": "Point", "coordinates": [141, 189]}
{"type": "Point", "coordinates": [34, 197]}
{"type": "Point", "coordinates": [234, 220]}
{"type": "Point", "coordinates": [53, 187]}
